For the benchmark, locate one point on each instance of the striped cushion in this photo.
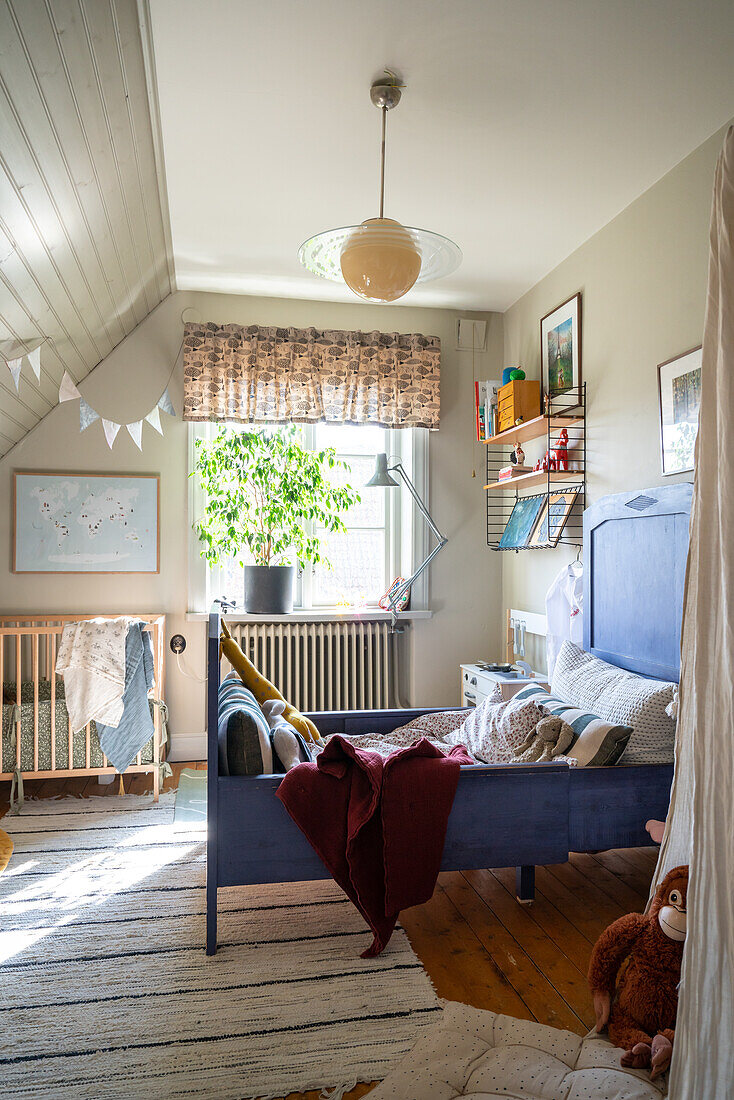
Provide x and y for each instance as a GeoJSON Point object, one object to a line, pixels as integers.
{"type": "Point", "coordinates": [244, 735]}
{"type": "Point", "coordinates": [596, 741]}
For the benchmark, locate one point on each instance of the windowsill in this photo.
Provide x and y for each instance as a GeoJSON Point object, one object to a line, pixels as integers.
{"type": "Point", "coordinates": [316, 615]}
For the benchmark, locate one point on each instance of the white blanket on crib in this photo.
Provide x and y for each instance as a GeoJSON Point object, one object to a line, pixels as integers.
{"type": "Point", "coordinates": [91, 659]}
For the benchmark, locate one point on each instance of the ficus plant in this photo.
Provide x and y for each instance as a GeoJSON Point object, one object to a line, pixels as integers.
{"type": "Point", "coordinates": [267, 494]}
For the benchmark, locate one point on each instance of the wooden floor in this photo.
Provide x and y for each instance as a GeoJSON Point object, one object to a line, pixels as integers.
{"type": "Point", "coordinates": [476, 942]}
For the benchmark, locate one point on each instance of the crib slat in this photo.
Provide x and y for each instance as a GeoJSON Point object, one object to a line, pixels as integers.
{"type": "Point", "coordinates": [71, 741]}
{"type": "Point", "coordinates": [2, 679]}
{"type": "Point", "coordinates": [52, 678]}
{"type": "Point", "coordinates": [87, 744]}
{"type": "Point", "coordinates": [18, 673]}
{"type": "Point", "coordinates": [34, 647]}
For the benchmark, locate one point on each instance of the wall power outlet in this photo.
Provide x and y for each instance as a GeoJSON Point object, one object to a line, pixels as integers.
{"type": "Point", "coordinates": [178, 643]}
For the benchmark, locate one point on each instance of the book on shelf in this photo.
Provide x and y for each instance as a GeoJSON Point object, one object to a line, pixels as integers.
{"type": "Point", "coordinates": [514, 470]}
{"type": "Point", "coordinates": [485, 408]}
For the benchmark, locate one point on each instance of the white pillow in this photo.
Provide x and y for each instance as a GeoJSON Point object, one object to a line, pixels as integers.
{"type": "Point", "coordinates": [622, 697]}
{"type": "Point", "coordinates": [492, 731]}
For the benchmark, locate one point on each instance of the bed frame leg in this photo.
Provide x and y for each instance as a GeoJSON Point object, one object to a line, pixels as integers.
{"type": "Point", "coordinates": [525, 884]}
{"type": "Point", "coordinates": [211, 920]}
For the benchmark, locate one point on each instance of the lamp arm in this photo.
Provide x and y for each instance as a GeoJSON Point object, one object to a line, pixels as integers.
{"type": "Point", "coordinates": [442, 540]}
{"type": "Point", "coordinates": [398, 468]}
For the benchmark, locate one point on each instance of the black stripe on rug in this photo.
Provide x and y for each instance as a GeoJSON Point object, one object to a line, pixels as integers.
{"type": "Point", "coordinates": [220, 1038]}
{"type": "Point", "coordinates": [174, 950]}
{"type": "Point", "coordinates": [214, 988]}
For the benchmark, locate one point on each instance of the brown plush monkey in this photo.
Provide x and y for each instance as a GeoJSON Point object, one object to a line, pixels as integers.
{"type": "Point", "coordinates": [634, 975]}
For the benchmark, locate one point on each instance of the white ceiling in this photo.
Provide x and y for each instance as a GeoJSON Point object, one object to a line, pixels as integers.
{"type": "Point", "coordinates": [524, 128]}
{"type": "Point", "coordinates": [83, 250]}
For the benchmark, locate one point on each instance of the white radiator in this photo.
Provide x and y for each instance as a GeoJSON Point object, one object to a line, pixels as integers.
{"type": "Point", "coordinates": [321, 665]}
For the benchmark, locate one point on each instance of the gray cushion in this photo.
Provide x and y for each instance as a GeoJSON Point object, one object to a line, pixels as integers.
{"type": "Point", "coordinates": [621, 697]}
{"type": "Point", "coordinates": [244, 734]}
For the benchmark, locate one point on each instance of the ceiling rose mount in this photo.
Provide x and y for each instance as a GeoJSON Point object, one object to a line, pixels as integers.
{"type": "Point", "coordinates": [380, 260]}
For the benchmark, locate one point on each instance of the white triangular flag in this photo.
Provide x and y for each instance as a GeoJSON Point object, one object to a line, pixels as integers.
{"type": "Point", "coordinates": [67, 389]}
{"type": "Point", "coordinates": [165, 403]}
{"type": "Point", "coordinates": [154, 419]}
{"type": "Point", "coordinates": [14, 368]}
{"type": "Point", "coordinates": [136, 433]}
{"type": "Point", "coordinates": [110, 430]}
{"type": "Point", "coordinates": [87, 415]}
{"type": "Point", "coordinates": [34, 358]}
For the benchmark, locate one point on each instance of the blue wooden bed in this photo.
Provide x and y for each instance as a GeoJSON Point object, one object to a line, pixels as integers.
{"type": "Point", "coordinates": [504, 815]}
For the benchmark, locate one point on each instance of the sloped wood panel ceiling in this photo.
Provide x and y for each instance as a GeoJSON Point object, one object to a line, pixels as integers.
{"type": "Point", "coordinates": [83, 243]}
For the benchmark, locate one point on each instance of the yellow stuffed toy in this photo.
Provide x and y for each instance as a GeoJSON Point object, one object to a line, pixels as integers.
{"type": "Point", "coordinates": [261, 688]}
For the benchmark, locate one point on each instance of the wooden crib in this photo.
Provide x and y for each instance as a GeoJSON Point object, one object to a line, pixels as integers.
{"type": "Point", "coordinates": [37, 740]}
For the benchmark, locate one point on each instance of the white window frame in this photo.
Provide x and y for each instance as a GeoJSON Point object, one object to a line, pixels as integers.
{"type": "Point", "coordinates": [408, 542]}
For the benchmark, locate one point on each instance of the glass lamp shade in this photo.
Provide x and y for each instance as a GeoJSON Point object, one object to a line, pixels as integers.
{"type": "Point", "coordinates": [380, 260]}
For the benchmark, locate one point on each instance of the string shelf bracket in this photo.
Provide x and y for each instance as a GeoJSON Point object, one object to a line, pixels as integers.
{"type": "Point", "coordinates": [541, 437]}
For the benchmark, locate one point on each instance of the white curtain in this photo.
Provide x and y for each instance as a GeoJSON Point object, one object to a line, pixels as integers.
{"type": "Point", "coordinates": [700, 827]}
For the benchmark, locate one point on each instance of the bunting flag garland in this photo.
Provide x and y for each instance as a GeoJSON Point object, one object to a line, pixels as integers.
{"type": "Point", "coordinates": [34, 361]}
{"type": "Point", "coordinates": [110, 431]}
{"type": "Point", "coordinates": [136, 433]}
{"type": "Point", "coordinates": [87, 415]}
{"type": "Point", "coordinates": [154, 419]}
{"type": "Point", "coordinates": [166, 404]}
{"type": "Point", "coordinates": [67, 390]}
{"type": "Point", "coordinates": [14, 368]}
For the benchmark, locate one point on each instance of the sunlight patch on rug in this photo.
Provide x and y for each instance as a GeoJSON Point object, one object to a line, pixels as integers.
{"type": "Point", "coordinates": [105, 989]}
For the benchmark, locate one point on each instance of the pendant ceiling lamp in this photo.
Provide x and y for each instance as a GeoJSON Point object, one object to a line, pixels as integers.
{"type": "Point", "coordinates": [380, 260]}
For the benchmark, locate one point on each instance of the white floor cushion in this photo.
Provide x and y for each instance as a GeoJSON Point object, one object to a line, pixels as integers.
{"type": "Point", "coordinates": [482, 1055]}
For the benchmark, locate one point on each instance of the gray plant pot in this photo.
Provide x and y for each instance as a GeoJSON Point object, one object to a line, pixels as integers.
{"type": "Point", "coordinates": [269, 589]}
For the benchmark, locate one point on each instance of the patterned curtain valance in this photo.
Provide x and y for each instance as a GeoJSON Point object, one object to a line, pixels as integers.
{"type": "Point", "coordinates": [256, 374]}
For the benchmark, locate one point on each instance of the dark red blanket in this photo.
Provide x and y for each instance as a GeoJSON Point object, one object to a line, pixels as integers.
{"type": "Point", "coordinates": [378, 824]}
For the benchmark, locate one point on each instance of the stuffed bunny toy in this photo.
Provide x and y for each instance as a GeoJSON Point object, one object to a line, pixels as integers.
{"type": "Point", "coordinates": [550, 738]}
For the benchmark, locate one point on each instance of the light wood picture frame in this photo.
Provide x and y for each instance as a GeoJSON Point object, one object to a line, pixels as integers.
{"type": "Point", "coordinates": [560, 348]}
{"type": "Point", "coordinates": [70, 523]}
{"type": "Point", "coordinates": [679, 399]}
{"type": "Point", "coordinates": [552, 518]}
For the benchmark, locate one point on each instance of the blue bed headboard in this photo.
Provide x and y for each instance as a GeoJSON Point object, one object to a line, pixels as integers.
{"type": "Point", "coordinates": [635, 551]}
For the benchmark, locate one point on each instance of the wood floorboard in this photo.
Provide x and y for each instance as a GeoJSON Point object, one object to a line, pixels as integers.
{"type": "Point", "coordinates": [477, 943]}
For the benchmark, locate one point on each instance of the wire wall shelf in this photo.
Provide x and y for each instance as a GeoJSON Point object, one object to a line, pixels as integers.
{"type": "Point", "coordinates": [562, 491]}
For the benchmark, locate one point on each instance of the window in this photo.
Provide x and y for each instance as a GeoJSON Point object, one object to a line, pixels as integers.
{"type": "Point", "coordinates": [379, 544]}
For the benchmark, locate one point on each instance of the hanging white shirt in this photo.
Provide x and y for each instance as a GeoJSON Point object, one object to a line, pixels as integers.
{"type": "Point", "coordinates": [564, 611]}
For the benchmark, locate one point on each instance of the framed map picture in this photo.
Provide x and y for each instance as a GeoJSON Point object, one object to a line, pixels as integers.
{"type": "Point", "coordinates": [560, 348]}
{"type": "Point", "coordinates": [679, 392]}
{"type": "Point", "coordinates": [86, 523]}
{"type": "Point", "coordinates": [553, 516]}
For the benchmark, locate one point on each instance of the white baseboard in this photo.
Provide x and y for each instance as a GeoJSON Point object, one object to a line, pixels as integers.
{"type": "Point", "coordinates": [187, 746]}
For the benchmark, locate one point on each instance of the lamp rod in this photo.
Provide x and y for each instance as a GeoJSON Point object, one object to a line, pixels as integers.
{"type": "Point", "coordinates": [382, 163]}
{"type": "Point", "coordinates": [398, 468]}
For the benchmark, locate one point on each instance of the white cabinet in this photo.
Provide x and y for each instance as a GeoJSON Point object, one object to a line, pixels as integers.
{"type": "Point", "coordinates": [477, 684]}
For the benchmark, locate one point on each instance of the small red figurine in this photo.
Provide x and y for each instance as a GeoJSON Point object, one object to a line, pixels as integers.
{"type": "Point", "coordinates": [561, 450]}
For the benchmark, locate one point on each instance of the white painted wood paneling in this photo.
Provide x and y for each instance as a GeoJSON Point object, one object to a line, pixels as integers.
{"type": "Point", "coordinates": [83, 245]}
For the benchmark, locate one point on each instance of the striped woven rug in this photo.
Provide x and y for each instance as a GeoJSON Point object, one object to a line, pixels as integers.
{"type": "Point", "coordinates": [105, 990]}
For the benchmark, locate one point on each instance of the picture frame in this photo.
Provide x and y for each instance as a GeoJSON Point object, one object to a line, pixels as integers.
{"type": "Point", "coordinates": [560, 348]}
{"type": "Point", "coordinates": [521, 523]}
{"type": "Point", "coordinates": [679, 400]}
{"type": "Point", "coordinates": [69, 523]}
{"type": "Point", "coordinates": [552, 518]}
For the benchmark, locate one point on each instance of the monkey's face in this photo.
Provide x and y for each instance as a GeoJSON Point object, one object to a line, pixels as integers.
{"type": "Point", "coordinates": [671, 909]}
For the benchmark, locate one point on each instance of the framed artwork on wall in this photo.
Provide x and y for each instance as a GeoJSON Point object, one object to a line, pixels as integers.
{"type": "Point", "coordinates": [552, 519]}
{"type": "Point", "coordinates": [86, 523]}
{"type": "Point", "coordinates": [560, 347]}
{"type": "Point", "coordinates": [679, 394]}
{"type": "Point", "coordinates": [520, 525]}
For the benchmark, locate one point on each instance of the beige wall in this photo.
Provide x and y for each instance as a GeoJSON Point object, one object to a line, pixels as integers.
{"type": "Point", "coordinates": [643, 281]}
{"type": "Point", "coordinates": [465, 579]}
